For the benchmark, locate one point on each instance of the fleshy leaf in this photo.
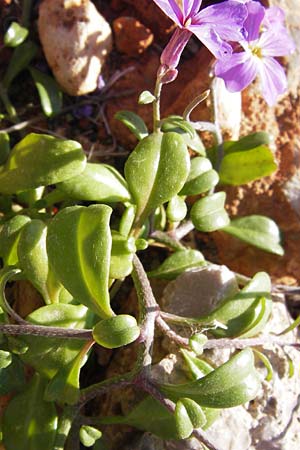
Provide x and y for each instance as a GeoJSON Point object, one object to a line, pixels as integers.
{"type": "Point", "coordinates": [98, 183]}
{"type": "Point", "coordinates": [9, 238]}
{"type": "Point", "coordinates": [146, 98]}
{"type": "Point", "coordinates": [21, 58]}
{"type": "Point", "coordinates": [188, 415]}
{"type": "Point", "coordinates": [79, 249]}
{"type": "Point", "coordinates": [12, 377]}
{"type": "Point", "coordinates": [190, 136]}
{"type": "Point", "coordinates": [134, 122]}
{"type": "Point", "coordinates": [49, 355]}
{"type": "Point", "coordinates": [122, 253]}
{"type": "Point", "coordinates": [156, 171]}
{"type": "Point", "coordinates": [208, 213]}
{"type": "Point", "coordinates": [33, 259]}
{"type": "Point", "coordinates": [64, 386]}
{"type": "Point", "coordinates": [177, 263]}
{"type": "Point", "coordinates": [15, 35]}
{"type": "Point", "coordinates": [247, 160]}
{"type": "Point", "coordinates": [259, 231]}
{"type": "Point", "coordinates": [201, 178]}
{"type": "Point", "coordinates": [40, 160]}
{"type": "Point", "coordinates": [4, 147]}
{"type": "Point", "coordinates": [89, 435]}
{"type": "Point", "coordinates": [49, 92]}
{"type": "Point", "coordinates": [177, 209]}
{"type": "Point", "coordinates": [29, 422]}
{"type": "Point", "coordinates": [234, 383]}
{"type": "Point", "coordinates": [116, 331]}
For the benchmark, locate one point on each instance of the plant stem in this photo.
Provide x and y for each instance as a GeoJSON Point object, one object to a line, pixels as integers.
{"type": "Point", "coordinates": [44, 331]}
{"type": "Point", "coordinates": [7, 104]}
{"type": "Point", "coordinates": [172, 335]}
{"type": "Point", "coordinates": [156, 104]}
{"type": "Point", "coordinates": [26, 12]}
{"type": "Point", "coordinates": [168, 240]}
{"type": "Point", "coordinates": [149, 310]}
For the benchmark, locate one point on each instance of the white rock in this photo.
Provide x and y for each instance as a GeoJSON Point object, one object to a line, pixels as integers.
{"type": "Point", "coordinates": [198, 291]}
{"type": "Point", "coordinates": [75, 40]}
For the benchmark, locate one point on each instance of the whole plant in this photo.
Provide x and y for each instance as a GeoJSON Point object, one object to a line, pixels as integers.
{"type": "Point", "coordinates": [77, 230]}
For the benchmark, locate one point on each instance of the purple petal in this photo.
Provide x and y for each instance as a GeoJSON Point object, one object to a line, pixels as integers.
{"type": "Point", "coordinates": [256, 14]}
{"type": "Point", "coordinates": [227, 18]}
{"type": "Point", "coordinates": [276, 42]}
{"type": "Point", "coordinates": [273, 80]}
{"type": "Point", "coordinates": [171, 9]}
{"type": "Point", "coordinates": [274, 17]}
{"type": "Point", "coordinates": [206, 34]}
{"type": "Point", "coordinates": [171, 55]}
{"type": "Point", "coordinates": [238, 71]}
{"type": "Point", "coordinates": [190, 7]}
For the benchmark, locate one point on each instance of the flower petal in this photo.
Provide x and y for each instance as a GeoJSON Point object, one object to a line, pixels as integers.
{"type": "Point", "coordinates": [276, 42]}
{"type": "Point", "coordinates": [275, 16]}
{"type": "Point", "coordinates": [190, 7]}
{"type": "Point", "coordinates": [256, 14]}
{"type": "Point", "coordinates": [238, 71]}
{"type": "Point", "coordinates": [172, 52]}
{"type": "Point", "coordinates": [273, 79]}
{"type": "Point", "coordinates": [227, 18]}
{"type": "Point", "coordinates": [171, 9]}
{"type": "Point", "coordinates": [206, 34]}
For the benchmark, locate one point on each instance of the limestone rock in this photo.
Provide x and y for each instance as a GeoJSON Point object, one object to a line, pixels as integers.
{"type": "Point", "coordinates": [75, 39]}
{"type": "Point", "coordinates": [198, 291]}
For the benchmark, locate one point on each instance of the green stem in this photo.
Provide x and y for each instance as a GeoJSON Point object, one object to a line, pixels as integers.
{"type": "Point", "coordinates": [164, 238]}
{"type": "Point", "coordinates": [7, 104]}
{"type": "Point", "coordinates": [156, 104]}
{"type": "Point", "coordinates": [26, 12]}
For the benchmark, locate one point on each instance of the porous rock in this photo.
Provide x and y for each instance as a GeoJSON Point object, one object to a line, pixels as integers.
{"type": "Point", "coordinates": [76, 40]}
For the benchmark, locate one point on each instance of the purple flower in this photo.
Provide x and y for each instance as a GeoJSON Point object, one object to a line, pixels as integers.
{"type": "Point", "coordinates": [213, 25]}
{"type": "Point", "coordinates": [266, 39]}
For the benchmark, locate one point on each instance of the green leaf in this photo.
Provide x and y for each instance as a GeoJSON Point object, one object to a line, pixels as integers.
{"type": "Point", "coordinates": [197, 368]}
{"type": "Point", "coordinates": [122, 252]}
{"type": "Point", "coordinates": [177, 263]}
{"type": "Point", "coordinates": [89, 435]}
{"type": "Point", "coordinates": [234, 383]}
{"type": "Point", "coordinates": [9, 238]}
{"type": "Point", "coordinates": [5, 359]}
{"type": "Point", "coordinates": [266, 362]}
{"type": "Point", "coordinates": [98, 183]}
{"type": "Point", "coordinates": [79, 249]}
{"type": "Point", "coordinates": [232, 308]}
{"type": "Point", "coordinates": [150, 415]}
{"type": "Point", "coordinates": [40, 160]}
{"type": "Point", "coordinates": [146, 98]}
{"type": "Point", "coordinates": [33, 258]}
{"type": "Point", "coordinates": [245, 161]}
{"type": "Point", "coordinates": [30, 423]}
{"type": "Point", "coordinates": [64, 386]}
{"type": "Point", "coordinates": [134, 122]}
{"type": "Point", "coordinates": [156, 171]}
{"type": "Point", "coordinates": [201, 178]}
{"type": "Point", "coordinates": [12, 377]}
{"type": "Point", "coordinates": [197, 342]}
{"type": "Point", "coordinates": [177, 209]}
{"type": "Point", "coordinates": [49, 355]}
{"type": "Point", "coordinates": [208, 213]}
{"type": "Point", "coordinates": [6, 273]}
{"type": "Point", "coordinates": [116, 331]}
{"type": "Point", "coordinates": [259, 231]}
{"type": "Point", "coordinates": [4, 147]}
{"type": "Point", "coordinates": [15, 35]}
{"type": "Point", "coordinates": [21, 58]}
{"type": "Point", "coordinates": [188, 415]}
{"type": "Point", "coordinates": [49, 92]}
{"type": "Point", "coordinates": [190, 136]}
